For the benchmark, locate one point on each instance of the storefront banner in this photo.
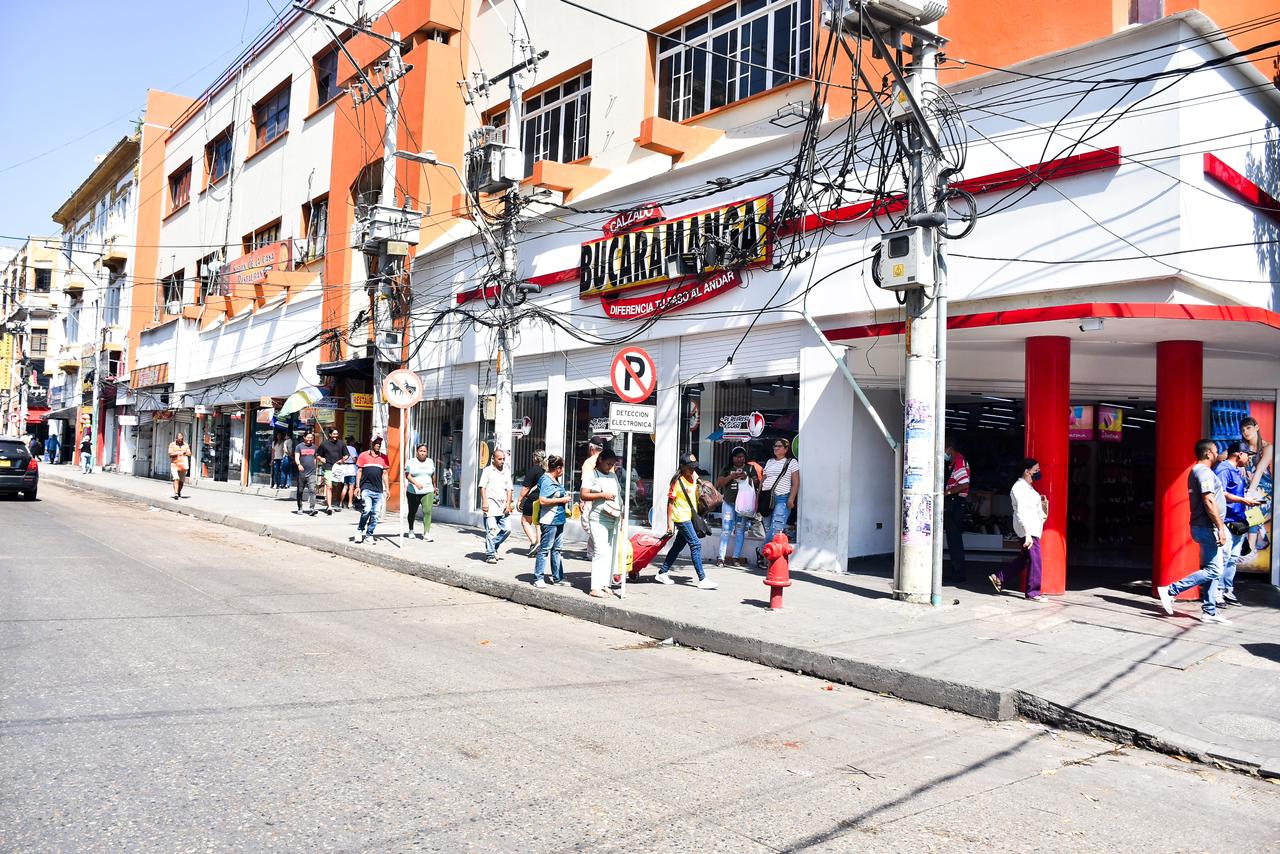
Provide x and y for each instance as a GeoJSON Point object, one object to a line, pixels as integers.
{"type": "Point", "coordinates": [266, 415]}
{"type": "Point", "coordinates": [742, 426]}
{"type": "Point", "coordinates": [1224, 424]}
{"type": "Point", "coordinates": [326, 416]}
{"type": "Point", "coordinates": [1080, 424]}
{"type": "Point", "coordinates": [652, 253]}
{"type": "Point", "coordinates": [326, 403]}
{"type": "Point", "coordinates": [127, 420]}
{"type": "Point", "coordinates": [599, 426]}
{"type": "Point", "coordinates": [693, 293]}
{"type": "Point", "coordinates": [522, 426]}
{"type": "Point", "coordinates": [361, 401]}
{"type": "Point", "coordinates": [149, 376]}
{"type": "Point", "coordinates": [1110, 423]}
{"type": "Point", "coordinates": [252, 268]}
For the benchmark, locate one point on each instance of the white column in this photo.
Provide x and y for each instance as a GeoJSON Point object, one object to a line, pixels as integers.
{"type": "Point", "coordinates": [470, 447]}
{"type": "Point", "coordinates": [556, 406]}
{"type": "Point", "coordinates": [826, 463]}
{"type": "Point", "coordinates": [666, 449]}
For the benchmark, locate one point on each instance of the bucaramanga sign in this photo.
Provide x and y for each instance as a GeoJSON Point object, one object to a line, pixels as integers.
{"type": "Point", "coordinates": [650, 253]}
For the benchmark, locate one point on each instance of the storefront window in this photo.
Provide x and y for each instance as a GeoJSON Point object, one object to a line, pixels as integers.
{"type": "Point", "coordinates": [716, 417]}
{"type": "Point", "coordinates": [438, 424]}
{"type": "Point", "coordinates": [587, 415]}
{"type": "Point", "coordinates": [530, 414]}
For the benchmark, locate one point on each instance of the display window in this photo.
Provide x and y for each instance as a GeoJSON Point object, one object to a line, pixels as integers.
{"type": "Point", "coordinates": [587, 415]}
{"type": "Point", "coordinates": [438, 424]}
{"type": "Point", "coordinates": [529, 430]}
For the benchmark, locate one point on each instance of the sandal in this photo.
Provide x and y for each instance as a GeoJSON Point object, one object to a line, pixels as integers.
{"type": "Point", "coordinates": [600, 594]}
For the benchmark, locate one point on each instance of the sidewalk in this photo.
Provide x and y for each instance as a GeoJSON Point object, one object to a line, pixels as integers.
{"type": "Point", "coordinates": [1102, 660]}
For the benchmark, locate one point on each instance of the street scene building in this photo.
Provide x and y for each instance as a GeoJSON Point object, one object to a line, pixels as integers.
{"type": "Point", "coordinates": [957, 322]}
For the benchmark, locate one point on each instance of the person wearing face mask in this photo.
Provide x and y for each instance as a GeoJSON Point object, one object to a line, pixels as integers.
{"type": "Point", "coordinates": [956, 494]}
{"type": "Point", "coordinates": [179, 462]}
{"type": "Point", "coordinates": [1029, 514]}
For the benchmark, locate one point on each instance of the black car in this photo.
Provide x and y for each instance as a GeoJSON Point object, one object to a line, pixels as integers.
{"type": "Point", "coordinates": [19, 471]}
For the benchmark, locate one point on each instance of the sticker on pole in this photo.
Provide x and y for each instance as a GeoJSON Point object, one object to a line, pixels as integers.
{"type": "Point", "coordinates": [401, 388]}
{"type": "Point", "coordinates": [632, 418]}
{"type": "Point", "coordinates": [633, 374]}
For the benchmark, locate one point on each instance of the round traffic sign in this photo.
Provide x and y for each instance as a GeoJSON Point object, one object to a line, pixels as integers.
{"type": "Point", "coordinates": [401, 388]}
{"type": "Point", "coordinates": [634, 375]}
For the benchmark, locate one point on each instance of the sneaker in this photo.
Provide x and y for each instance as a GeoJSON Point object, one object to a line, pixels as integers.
{"type": "Point", "coordinates": [1215, 618]}
{"type": "Point", "coordinates": [1039, 598]}
{"type": "Point", "coordinates": [707, 584]}
{"type": "Point", "coordinates": [663, 578]}
{"type": "Point", "coordinates": [1230, 599]}
{"type": "Point", "coordinates": [995, 582]}
{"type": "Point", "coordinates": [1166, 601]}
{"type": "Point", "coordinates": [328, 511]}
{"type": "Point", "coordinates": [312, 512]}
{"type": "Point", "coordinates": [539, 583]}
{"type": "Point", "coordinates": [491, 559]}
{"type": "Point", "coordinates": [720, 561]}
{"type": "Point", "coordinates": [430, 539]}
{"type": "Point", "coordinates": [297, 512]}
{"type": "Point", "coordinates": [407, 534]}
{"type": "Point", "coordinates": [564, 582]}
{"type": "Point", "coordinates": [359, 538]}
{"type": "Point", "coordinates": [421, 537]}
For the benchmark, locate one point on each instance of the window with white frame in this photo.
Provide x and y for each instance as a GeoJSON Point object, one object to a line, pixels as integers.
{"type": "Point", "coordinates": [741, 49]}
{"type": "Point", "coordinates": [71, 325]}
{"type": "Point", "coordinates": [111, 307]}
{"type": "Point", "coordinates": [556, 124]}
{"type": "Point", "coordinates": [315, 221]}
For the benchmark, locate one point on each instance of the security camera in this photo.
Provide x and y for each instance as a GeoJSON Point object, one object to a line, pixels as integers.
{"type": "Point", "coordinates": [1091, 324]}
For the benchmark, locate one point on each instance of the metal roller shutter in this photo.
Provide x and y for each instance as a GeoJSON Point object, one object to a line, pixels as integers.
{"type": "Point", "coordinates": [772, 350]}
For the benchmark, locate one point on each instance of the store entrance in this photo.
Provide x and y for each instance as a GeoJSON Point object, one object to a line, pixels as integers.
{"type": "Point", "coordinates": [1110, 493]}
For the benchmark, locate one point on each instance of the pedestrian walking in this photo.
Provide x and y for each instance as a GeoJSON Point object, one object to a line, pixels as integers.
{"type": "Point", "coordinates": [496, 501]}
{"type": "Point", "coordinates": [349, 475]}
{"type": "Point", "coordinates": [1030, 510]}
{"type": "Point", "coordinates": [86, 453]}
{"type": "Point", "coordinates": [552, 500]}
{"type": "Point", "coordinates": [954, 506]}
{"type": "Point", "coordinates": [372, 465]}
{"type": "Point", "coordinates": [780, 489]}
{"type": "Point", "coordinates": [306, 463]}
{"type": "Point", "coordinates": [683, 520]}
{"type": "Point", "coordinates": [594, 446]}
{"type": "Point", "coordinates": [739, 483]}
{"type": "Point", "coordinates": [528, 495]}
{"type": "Point", "coordinates": [35, 447]}
{"type": "Point", "coordinates": [332, 453]}
{"type": "Point", "coordinates": [420, 490]}
{"type": "Point", "coordinates": [1208, 531]}
{"type": "Point", "coordinates": [600, 492]}
{"type": "Point", "coordinates": [1235, 485]}
{"type": "Point", "coordinates": [51, 449]}
{"type": "Point", "coordinates": [179, 463]}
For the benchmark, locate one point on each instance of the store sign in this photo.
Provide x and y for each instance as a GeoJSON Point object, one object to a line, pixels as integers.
{"type": "Point", "coordinates": [201, 409]}
{"type": "Point", "coordinates": [163, 415]}
{"type": "Point", "coordinates": [252, 268]}
{"type": "Point", "coordinates": [267, 402]}
{"type": "Point", "coordinates": [637, 308]}
{"type": "Point", "coordinates": [632, 418]}
{"type": "Point", "coordinates": [651, 254]}
{"type": "Point", "coordinates": [326, 403]}
{"type": "Point", "coordinates": [1080, 424]}
{"type": "Point", "coordinates": [266, 415]}
{"type": "Point", "coordinates": [149, 376]}
{"type": "Point", "coordinates": [599, 427]}
{"type": "Point", "coordinates": [742, 426]}
{"type": "Point", "coordinates": [522, 427]}
{"type": "Point", "coordinates": [634, 218]}
{"type": "Point", "coordinates": [361, 401]}
{"type": "Point", "coordinates": [127, 420]}
{"type": "Point", "coordinates": [1110, 423]}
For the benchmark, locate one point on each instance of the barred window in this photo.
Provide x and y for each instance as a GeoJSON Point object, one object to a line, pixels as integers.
{"type": "Point", "coordinates": [556, 124]}
{"type": "Point", "coordinates": [739, 50]}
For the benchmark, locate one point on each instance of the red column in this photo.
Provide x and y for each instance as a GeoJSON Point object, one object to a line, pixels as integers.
{"type": "Point", "coordinates": [1048, 384]}
{"type": "Point", "coordinates": [1179, 421]}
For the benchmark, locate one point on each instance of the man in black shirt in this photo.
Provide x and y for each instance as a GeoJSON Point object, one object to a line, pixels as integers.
{"type": "Point", "coordinates": [332, 452]}
{"type": "Point", "coordinates": [304, 457]}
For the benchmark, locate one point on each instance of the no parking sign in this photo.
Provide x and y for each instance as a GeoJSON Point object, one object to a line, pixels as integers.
{"type": "Point", "coordinates": [634, 375]}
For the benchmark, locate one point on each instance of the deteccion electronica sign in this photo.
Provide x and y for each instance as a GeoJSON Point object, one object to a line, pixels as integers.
{"type": "Point", "coordinates": [650, 253]}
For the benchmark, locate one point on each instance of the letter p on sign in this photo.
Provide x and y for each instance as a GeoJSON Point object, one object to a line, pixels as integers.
{"type": "Point", "coordinates": [634, 375]}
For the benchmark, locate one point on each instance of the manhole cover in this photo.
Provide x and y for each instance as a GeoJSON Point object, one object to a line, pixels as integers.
{"type": "Point", "coordinates": [1247, 727]}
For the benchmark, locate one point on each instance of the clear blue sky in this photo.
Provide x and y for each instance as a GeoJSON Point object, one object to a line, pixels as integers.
{"type": "Point", "coordinates": [77, 75]}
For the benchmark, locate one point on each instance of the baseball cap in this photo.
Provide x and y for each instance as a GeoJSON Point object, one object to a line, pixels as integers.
{"type": "Point", "coordinates": [688, 460]}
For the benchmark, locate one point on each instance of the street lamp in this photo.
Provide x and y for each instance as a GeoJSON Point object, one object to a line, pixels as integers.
{"type": "Point", "coordinates": [428, 158]}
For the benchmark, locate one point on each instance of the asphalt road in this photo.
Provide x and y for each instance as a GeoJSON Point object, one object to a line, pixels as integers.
{"type": "Point", "coordinates": [168, 684]}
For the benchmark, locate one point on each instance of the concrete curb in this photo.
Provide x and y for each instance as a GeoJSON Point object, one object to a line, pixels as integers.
{"type": "Point", "coordinates": [996, 704]}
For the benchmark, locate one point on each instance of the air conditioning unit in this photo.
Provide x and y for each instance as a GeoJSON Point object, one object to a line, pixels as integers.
{"type": "Point", "coordinates": [493, 167]}
{"type": "Point", "coordinates": [887, 13]}
{"type": "Point", "coordinates": [906, 259]}
{"type": "Point", "coordinates": [389, 345]}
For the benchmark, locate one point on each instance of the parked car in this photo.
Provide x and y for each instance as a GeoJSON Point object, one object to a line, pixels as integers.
{"type": "Point", "coordinates": [19, 471]}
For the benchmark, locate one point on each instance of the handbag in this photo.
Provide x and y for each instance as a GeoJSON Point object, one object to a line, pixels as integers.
{"type": "Point", "coordinates": [766, 495]}
{"type": "Point", "coordinates": [700, 526]}
{"type": "Point", "coordinates": [709, 498]}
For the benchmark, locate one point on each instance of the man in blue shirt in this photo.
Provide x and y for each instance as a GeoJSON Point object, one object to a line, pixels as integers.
{"type": "Point", "coordinates": [1231, 472]}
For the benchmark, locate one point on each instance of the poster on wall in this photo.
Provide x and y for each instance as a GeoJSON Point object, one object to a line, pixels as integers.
{"type": "Point", "coordinates": [1110, 423]}
{"type": "Point", "coordinates": [1080, 424]}
{"type": "Point", "coordinates": [1225, 417]}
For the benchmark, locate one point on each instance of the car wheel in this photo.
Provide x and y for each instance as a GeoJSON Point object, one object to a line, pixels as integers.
{"type": "Point", "coordinates": [29, 495]}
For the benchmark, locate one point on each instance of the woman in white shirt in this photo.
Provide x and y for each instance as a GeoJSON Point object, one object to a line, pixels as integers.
{"type": "Point", "coordinates": [782, 476]}
{"type": "Point", "coordinates": [420, 472]}
{"type": "Point", "coordinates": [1029, 514]}
{"type": "Point", "coordinates": [600, 488]}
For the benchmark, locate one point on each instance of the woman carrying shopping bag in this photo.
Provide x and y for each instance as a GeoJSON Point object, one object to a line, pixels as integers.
{"type": "Point", "coordinates": [739, 484]}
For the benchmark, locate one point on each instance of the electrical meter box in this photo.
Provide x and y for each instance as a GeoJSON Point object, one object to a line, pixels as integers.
{"type": "Point", "coordinates": [906, 259]}
{"type": "Point", "coordinates": [494, 167]}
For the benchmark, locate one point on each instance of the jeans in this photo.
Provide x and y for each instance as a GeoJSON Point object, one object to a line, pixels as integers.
{"type": "Point", "coordinates": [732, 526]}
{"type": "Point", "coordinates": [1029, 560]}
{"type": "Point", "coordinates": [549, 545]}
{"type": "Point", "coordinates": [1231, 562]}
{"type": "Point", "coordinates": [280, 471]}
{"type": "Point", "coordinates": [778, 518]}
{"type": "Point", "coordinates": [86, 462]}
{"type": "Point", "coordinates": [1209, 574]}
{"type": "Point", "coordinates": [686, 534]}
{"type": "Point", "coordinates": [496, 531]}
{"type": "Point", "coordinates": [374, 503]}
{"type": "Point", "coordinates": [952, 526]}
{"type": "Point", "coordinates": [307, 484]}
{"type": "Point", "coordinates": [605, 536]}
{"type": "Point", "coordinates": [425, 500]}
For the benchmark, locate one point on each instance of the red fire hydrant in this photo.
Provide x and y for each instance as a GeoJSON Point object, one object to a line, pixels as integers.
{"type": "Point", "coordinates": [776, 552]}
